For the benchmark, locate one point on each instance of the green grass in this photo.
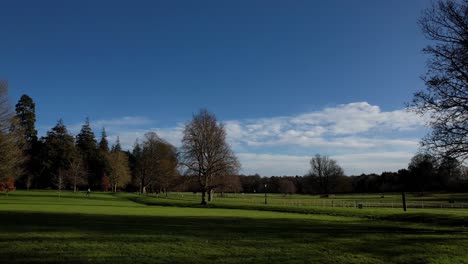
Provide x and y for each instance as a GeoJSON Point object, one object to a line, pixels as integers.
{"type": "Point", "coordinates": [368, 200]}
{"type": "Point", "coordinates": [39, 227]}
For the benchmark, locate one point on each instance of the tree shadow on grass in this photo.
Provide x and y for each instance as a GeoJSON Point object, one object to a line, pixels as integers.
{"type": "Point", "coordinates": [78, 238]}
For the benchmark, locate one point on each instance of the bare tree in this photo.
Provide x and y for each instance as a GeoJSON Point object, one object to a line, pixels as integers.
{"type": "Point", "coordinates": [446, 98]}
{"type": "Point", "coordinates": [59, 180]}
{"type": "Point", "coordinates": [77, 175]}
{"type": "Point", "coordinates": [119, 175]}
{"type": "Point", "coordinates": [168, 163]}
{"type": "Point", "coordinates": [287, 186]}
{"type": "Point", "coordinates": [147, 162]}
{"type": "Point", "coordinates": [229, 184]}
{"type": "Point", "coordinates": [326, 170]}
{"type": "Point", "coordinates": [205, 152]}
{"type": "Point", "coordinates": [11, 155]}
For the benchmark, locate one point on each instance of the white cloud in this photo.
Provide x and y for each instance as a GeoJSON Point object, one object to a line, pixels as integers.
{"type": "Point", "coordinates": [341, 126]}
{"type": "Point", "coordinates": [361, 136]}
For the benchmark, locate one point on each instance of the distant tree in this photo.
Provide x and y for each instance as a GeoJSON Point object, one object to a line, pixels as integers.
{"type": "Point", "coordinates": [327, 170]}
{"type": "Point", "coordinates": [446, 98]}
{"type": "Point", "coordinates": [136, 166]}
{"type": "Point", "coordinates": [287, 186]}
{"type": "Point", "coordinates": [26, 116]}
{"type": "Point", "coordinates": [205, 152]}
{"type": "Point", "coordinates": [229, 184]}
{"type": "Point", "coordinates": [148, 160]}
{"type": "Point", "coordinates": [448, 173]}
{"type": "Point", "coordinates": [343, 184]}
{"type": "Point", "coordinates": [87, 145]}
{"type": "Point", "coordinates": [119, 175]}
{"type": "Point", "coordinates": [11, 142]}
{"type": "Point", "coordinates": [168, 164]}
{"type": "Point", "coordinates": [86, 140]}
{"type": "Point", "coordinates": [251, 183]}
{"type": "Point", "coordinates": [103, 143]}
{"type": "Point", "coordinates": [76, 173]}
{"type": "Point", "coordinates": [60, 153]}
{"type": "Point", "coordinates": [105, 183]}
{"type": "Point", "coordinates": [7, 184]}
{"type": "Point", "coordinates": [102, 166]}
{"type": "Point", "coordinates": [117, 146]}
{"type": "Point", "coordinates": [422, 172]}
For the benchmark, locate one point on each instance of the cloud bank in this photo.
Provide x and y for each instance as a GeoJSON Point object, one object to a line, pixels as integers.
{"type": "Point", "coordinates": [361, 136]}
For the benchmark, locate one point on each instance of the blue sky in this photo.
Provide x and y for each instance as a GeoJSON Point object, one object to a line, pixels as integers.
{"type": "Point", "coordinates": [289, 78]}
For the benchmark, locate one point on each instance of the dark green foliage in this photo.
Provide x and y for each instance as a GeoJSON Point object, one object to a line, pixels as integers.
{"type": "Point", "coordinates": [86, 140]}
{"type": "Point", "coordinates": [117, 146]}
{"type": "Point", "coordinates": [60, 152]}
{"type": "Point", "coordinates": [26, 116]}
{"type": "Point", "coordinates": [104, 144]}
{"type": "Point", "coordinates": [93, 161]}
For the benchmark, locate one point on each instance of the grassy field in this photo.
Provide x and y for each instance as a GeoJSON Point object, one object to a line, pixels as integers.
{"type": "Point", "coordinates": [40, 227]}
{"type": "Point", "coordinates": [441, 200]}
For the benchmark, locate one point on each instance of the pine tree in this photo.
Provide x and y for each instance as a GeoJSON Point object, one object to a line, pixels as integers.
{"type": "Point", "coordinates": [87, 146]}
{"type": "Point", "coordinates": [117, 146]}
{"type": "Point", "coordinates": [26, 115]}
{"type": "Point", "coordinates": [60, 153]}
{"type": "Point", "coordinates": [86, 140]}
{"type": "Point", "coordinates": [26, 118]}
{"type": "Point", "coordinates": [104, 144]}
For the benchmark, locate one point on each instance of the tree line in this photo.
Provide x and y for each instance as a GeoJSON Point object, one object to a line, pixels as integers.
{"type": "Point", "coordinates": [62, 161]}
{"type": "Point", "coordinates": [204, 163]}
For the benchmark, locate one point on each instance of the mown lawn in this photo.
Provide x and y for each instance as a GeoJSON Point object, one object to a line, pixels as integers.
{"type": "Point", "coordinates": [42, 228]}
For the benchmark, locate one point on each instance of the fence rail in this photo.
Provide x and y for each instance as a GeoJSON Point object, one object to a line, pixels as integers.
{"type": "Point", "coordinates": [329, 202]}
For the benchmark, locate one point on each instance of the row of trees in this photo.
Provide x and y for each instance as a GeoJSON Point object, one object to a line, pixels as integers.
{"type": "Point", "coordinates": [424, 173]}
{"type": "Point", "coordinates": [63, 161]}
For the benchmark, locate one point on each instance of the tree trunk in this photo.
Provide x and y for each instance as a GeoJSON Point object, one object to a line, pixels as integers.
{"type": "Point", "coordinates": [209, 195]}
{"type": "Point", "coordinates": [203, 197]}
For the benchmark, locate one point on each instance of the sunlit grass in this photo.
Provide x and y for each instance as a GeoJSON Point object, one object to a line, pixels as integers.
{"type": "Point", "coordinates": [40, 227]}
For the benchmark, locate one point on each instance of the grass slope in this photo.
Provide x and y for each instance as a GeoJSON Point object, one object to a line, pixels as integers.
{"type": "Point", "coordinates": [39, 227]}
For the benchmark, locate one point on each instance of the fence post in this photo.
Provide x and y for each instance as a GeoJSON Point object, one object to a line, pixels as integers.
{"type": "Point", "coordinates": [403, 198]}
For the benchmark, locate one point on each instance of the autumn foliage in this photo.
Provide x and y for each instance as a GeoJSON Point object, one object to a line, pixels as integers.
{"type": "Point", "coordinates": [7, 184]}
{"type": "Point", "coordinates": [105, 183]}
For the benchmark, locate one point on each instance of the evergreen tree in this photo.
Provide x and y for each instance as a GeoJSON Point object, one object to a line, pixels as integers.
{"type": "Point", "coordinates": [104, 144]}
{"type": "Point", "coordinates": [60, 153]}
{"type": "Point", "coordinates": [117, 146]}
{"type": "Point", "coordinates": [87, 146]}
{"type": "Point", "coordinates": [26, 115]}
{"type": "Point", "coordinates": [26, 118]}
{"type": "Point", "coordinates": [86, 140]}
{"type": "Point", "coordinates": [103, 167]}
